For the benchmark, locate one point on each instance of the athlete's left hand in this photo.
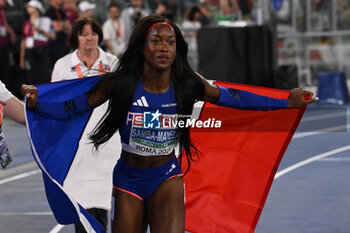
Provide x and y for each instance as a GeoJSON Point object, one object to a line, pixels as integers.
{"type": "Point", "coordinates": [299, 98]}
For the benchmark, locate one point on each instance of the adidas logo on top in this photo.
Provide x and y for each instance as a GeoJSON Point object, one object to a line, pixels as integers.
{"type": "Point", "coordinates": [142, 102]}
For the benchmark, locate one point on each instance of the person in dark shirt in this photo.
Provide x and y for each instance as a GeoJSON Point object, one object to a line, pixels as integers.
{"type": "Point", "coordinates": [58, 48]}
{"type": "Point", "coordinates": [7, 35]}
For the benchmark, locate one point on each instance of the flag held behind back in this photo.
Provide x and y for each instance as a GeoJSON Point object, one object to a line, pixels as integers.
{"type": "Point", "coordinates": [225, 189]}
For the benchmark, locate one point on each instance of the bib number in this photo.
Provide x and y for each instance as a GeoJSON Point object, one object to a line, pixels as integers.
{"type": "Point", "coordinates": [29, 42]}
{"type": "Point", "coordinates": [3, 31]}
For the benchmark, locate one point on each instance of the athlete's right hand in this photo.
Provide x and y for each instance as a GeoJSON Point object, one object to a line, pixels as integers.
{"type": "Point", "coordinates": [30, 92]}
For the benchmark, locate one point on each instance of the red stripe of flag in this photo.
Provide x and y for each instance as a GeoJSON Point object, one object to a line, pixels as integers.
{"type": "Point", "coordinates": [227, 187]}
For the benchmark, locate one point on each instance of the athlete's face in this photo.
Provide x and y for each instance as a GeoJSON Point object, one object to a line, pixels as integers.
{"type": "Point", "coordinates": [88, 39]}
{"type": "Point", "coordinates": [160, 48]}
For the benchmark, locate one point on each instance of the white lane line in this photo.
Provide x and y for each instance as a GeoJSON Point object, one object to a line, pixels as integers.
{"type": "Point", "coordinates": [321, 131]}
{"type": "Point", "coordinates": [25, 213]}
{"type": "Point", "coordinates": [20, 176]}
{"type": "Point", "coordinates": [57, 228]}
{"type": "Point", "coordinates": [306, 134]}
{"type": "Point", "coordinates": [335, 160]}
{"type": "Point", "coordinates": [323, 116]}
{"type": "Point", "coordinates": [310, 160]}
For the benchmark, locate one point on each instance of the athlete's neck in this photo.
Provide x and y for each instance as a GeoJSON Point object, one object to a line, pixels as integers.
{"type": "Point", "coordinates": [156, 81]}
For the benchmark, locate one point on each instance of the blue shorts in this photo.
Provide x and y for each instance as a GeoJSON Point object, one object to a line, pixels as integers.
{"type": "Point", "coordinates": [142, 182]}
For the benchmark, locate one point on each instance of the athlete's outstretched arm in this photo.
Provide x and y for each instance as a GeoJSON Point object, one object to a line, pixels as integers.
{"type": "Point", "coordinates": [66, 109]}
{"type": "Point", "coordinates": [58, 110]}
{"type": "Point", "coordinates": [246, 100]}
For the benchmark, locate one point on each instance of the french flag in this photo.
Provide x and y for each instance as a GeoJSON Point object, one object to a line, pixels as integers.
{"type": "Point", "coordinates": [67, 159]}
{"type": "Point", "coordinates": [226, 188]}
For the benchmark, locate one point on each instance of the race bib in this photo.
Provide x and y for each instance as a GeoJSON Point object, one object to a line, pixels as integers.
{"type": "Point", "coordinates": [3, 31]}
{"type": "Point", "coordinates": [29, 42]}
{"type": "Point", "coordinates": [5, 156]}
{"type": "Point", "coordinates": [152, 133]}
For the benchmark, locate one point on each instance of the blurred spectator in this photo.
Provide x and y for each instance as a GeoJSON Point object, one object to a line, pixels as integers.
{"type": "Point", "coordinates": [192, 18]}
{"type": "Point", "coordinates": [228, 11]}
{"type": "Point", "coordinates": [190, 26]}
{"type": "Point", "coordinates": [321, 15]}
{"type": "Point", "coordinates": [165, 9]}
{"type": "Point", "coordinates": [151, 5]}
{"type": "Point", "coordinates": [86, 9]}
{"type": "Point", "coordinates": [58, 48]}
{"type": "Point", "coordinates": [207, 13]}
{"type": "Point", "coordinates": [34, 54]}
{"type": "Point", "coordinates": [6, 35]}
{"type": "Point", "coordinates": [113, 31]}
{"type": "Point", "coordinates": [245, 7]}
{"type": "Point", "coordinates": [131, 15]}
{"type": "Point", "coordinates": [343, 11]}
{"type": "Point", "coordinates": [70, 9]}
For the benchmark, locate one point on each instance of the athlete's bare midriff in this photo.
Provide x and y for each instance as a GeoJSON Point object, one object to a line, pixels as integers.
{"type": "Point", "coordinates": [146, 161]}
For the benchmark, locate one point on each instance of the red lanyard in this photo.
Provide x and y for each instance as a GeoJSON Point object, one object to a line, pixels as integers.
{"type": "Point", "coordinates": [28, 30]}
{"type": "Point", "coordinates": [80, 74]}
{"type": "Point", "coordinates": [2, 17]}
{"type": "Point", "coordinates": [58, 14]}
{"type": "Point", "coordinates": [74, 13]}
{"type": "Point", "coordinates": [100, 68]}
{"type": "Point", "coordinates": [120, 33]}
